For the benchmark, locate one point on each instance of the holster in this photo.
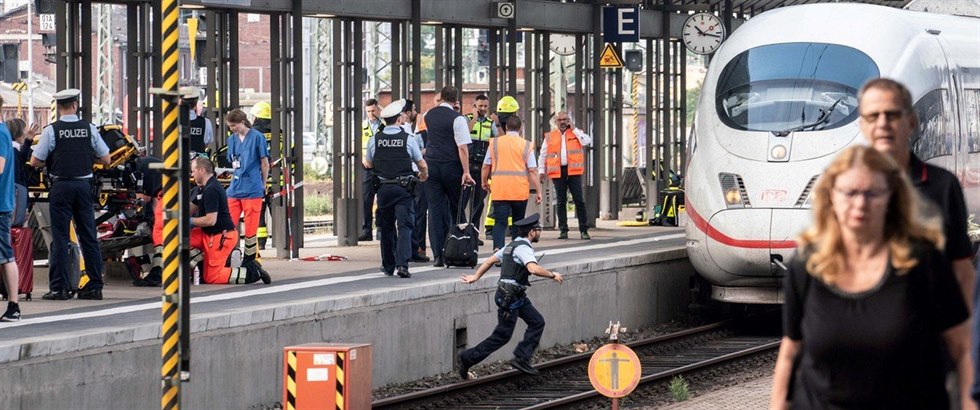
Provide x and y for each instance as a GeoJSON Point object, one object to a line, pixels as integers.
{"type": "Point", "coordinates": [507, 294]}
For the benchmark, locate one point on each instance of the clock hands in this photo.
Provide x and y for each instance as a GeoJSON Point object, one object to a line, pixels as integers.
{"type": "Point", "coordinates": [702, 33]}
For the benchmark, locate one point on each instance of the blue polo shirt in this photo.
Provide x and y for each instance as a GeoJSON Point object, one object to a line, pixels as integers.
{"type": "Point", "coordinates": [8, 174]}
{"type": "Point", "coordinates": [247, 181]}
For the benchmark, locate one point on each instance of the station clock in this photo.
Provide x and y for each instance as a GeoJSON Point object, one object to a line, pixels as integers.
{"type": "Point", "coordinates": [562, 44]}
{"type": "Point", "coordinates": [703, 33]}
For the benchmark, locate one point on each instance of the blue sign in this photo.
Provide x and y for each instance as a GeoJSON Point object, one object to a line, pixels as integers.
{"type": "Point", "coordinates": [620, 24]}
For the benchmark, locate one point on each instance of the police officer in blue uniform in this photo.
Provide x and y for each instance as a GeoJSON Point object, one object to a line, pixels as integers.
{"type": "Point", "coordinates": [69, 147]}
{"type": "Point", "coordinates": [201, 129]}
{"type": "Point", "coordinates": [518, 263]}
{"type": "Point", "coordinates": [390, 155]}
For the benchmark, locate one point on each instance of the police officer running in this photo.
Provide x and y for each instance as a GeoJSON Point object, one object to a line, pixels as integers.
{"type": "Point", "coordinates": [519, 263]}
{"type": "Point", "coordinates": [390, 154]}
{"type": "Point", "coordinates": [69, 147]}
{"type": "Point", "coordinates": [200, 128]}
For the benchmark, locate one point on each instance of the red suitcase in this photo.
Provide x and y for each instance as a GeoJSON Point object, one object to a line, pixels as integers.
{"type": "Point", "coordinates": [23, 244]}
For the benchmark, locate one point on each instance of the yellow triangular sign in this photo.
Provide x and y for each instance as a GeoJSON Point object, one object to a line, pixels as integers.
{"type": "Point", "coordinates": [609, 58]}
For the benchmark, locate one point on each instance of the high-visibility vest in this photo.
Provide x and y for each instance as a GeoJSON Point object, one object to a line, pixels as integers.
{"type": "Point", "coordinates": [573, 150]}
{"type": "Point", "coordinates": [508, 168]}
{"type": "Point", "coordinates": [482, 131]}
{"type": "Point", "coordinates": [366, 135]}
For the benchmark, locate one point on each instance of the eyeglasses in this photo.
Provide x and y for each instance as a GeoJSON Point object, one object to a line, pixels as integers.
{"type": "Point", "coordinates": [890, 115]}
{"type": "Point", "coordinates": [869, 195]}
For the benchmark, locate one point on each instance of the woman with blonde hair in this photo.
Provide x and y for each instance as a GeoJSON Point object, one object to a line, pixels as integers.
{"type": "Point", "coordinates": [871, 302]}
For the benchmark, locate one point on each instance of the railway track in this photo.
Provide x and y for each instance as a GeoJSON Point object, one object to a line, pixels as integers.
{"type": "Point", "coordinates": [564, 383]}
{"type": "Point", "coordinates": [313, 226]}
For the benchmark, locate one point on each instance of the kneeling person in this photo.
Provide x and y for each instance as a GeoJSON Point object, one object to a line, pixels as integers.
{"type": "Point", "coordinates": [390, 155]}
{"type": "Point", "coordinates": [518, 262]}
{"type": "Point", "coordinates": [213, 234]}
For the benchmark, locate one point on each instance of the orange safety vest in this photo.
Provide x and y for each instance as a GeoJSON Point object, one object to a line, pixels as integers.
{"type": "Point", "coordinates": [508, 168]}
{"type": "Point", "coordinates": [573, 149]}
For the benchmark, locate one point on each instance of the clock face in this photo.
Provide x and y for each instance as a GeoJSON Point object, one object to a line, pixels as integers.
{"type": "Point", "coordinates": [703, 33]}
{"type": "Point", "coordinates": [562, 44]}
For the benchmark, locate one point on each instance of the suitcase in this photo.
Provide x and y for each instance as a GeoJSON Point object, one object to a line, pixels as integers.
{"type": "Point", "coordinates": [23, 243]}
{"type": "Point", "coordinates": [463, 240]}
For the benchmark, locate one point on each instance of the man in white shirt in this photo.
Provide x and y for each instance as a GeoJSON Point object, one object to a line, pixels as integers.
{"type": "Point", "coordinates": [563, 160]}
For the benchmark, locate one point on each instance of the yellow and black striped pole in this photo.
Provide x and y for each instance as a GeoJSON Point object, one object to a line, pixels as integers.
{"type": "Point", "coordinates": [291, 380]}
{"type": "Point", "coordinates": [636, 120]}
{"type": "Point", "coordinates": [170, 371]}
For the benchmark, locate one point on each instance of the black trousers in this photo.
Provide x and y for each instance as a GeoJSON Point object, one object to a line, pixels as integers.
{"type": "Point", "coordinates": [71, 199]}
{"type": "Point", "coordinates": [501, 211]}
{"type": "Point", "coordinates": [396, 207]}
{"type": "Point", "coordinates": [563, 185]}
{"type": "Point", "coordinates": [367, 199]}
{"type": "Point", "coordinates": [479, 197]}
{"type": "Point", "coordinates": [503, 332]}
{"type": "Point", "coordinates": [442, 191]}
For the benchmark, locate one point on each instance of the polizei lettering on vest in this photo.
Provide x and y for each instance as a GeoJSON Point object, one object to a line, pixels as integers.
{"type": "Point", "coordinates": [75, 133]}
{"type": "Point", "coordinates": [197, 131]}
{"type": "Point", "coordinates": [391, 143]}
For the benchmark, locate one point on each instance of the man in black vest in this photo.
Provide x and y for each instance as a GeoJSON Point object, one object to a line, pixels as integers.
{"type": "Point", "coordinates": [518, 262]}
{"type": "Point", "coordinates": [447, 152]}
{"type": "Point", "coordinates": [201, 130]}
{"type": "Point", "coordinates": [390, 154]}
{"type": "Point", "coordinates": [69, 147]}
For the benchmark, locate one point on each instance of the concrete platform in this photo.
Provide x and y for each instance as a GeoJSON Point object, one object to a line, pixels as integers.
{"type": "Point", "coordinates": [106, 354]}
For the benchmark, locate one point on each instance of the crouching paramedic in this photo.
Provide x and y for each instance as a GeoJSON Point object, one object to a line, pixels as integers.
{"type": "Point", "coordinates": [213, 234]}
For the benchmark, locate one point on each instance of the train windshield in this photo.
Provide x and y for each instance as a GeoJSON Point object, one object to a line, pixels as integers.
{"type": "Point", "coordinates": [793, 87]}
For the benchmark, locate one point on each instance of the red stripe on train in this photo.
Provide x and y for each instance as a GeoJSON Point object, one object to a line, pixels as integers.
{"type": "Point", "coordinates": [720, 237]}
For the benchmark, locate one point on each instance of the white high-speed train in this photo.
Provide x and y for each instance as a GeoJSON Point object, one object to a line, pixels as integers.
{"type": "Point", "coordinates": [780, 101]}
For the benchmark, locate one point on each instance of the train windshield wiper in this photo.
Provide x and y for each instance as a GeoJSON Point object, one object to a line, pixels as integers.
{"type": "Point", "coordinates": [822, 119]}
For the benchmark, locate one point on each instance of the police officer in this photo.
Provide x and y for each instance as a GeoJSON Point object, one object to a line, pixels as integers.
{"type": "Point", "coordinates": [482, 128]}
{"type": "Point", "coordinates": [369, 127]}
{"type": "Point", "coordinates": [201, 130]}
{"type": "Point", "coordinates": [390, 154]}
{"type": "Point", "coordinates": [518, 263]}
{"type": "Point", "coordinates": [69, 147]}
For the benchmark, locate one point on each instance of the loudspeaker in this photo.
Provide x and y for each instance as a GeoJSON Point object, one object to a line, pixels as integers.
{"type": "Point", "coordinates": [634, 60]}
{"type": "Point", "coordinates": [44, 6]}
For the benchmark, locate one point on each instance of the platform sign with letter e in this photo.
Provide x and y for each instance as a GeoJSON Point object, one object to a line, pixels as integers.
{"type": "Point", "coordinates": [614, 370]}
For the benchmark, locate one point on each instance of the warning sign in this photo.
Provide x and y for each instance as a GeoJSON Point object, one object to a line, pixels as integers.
{"type": "Point", "coordinates": [614, 370]}
{"type": "Point", "coordinates": [609, 58]}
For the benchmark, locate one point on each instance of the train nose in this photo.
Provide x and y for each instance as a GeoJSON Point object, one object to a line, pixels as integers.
{"type": "Point", "coordinates": [755, 242]}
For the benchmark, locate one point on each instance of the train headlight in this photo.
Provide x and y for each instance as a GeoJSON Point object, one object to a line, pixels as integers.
{"type": "Point", "coordinates": [733, 189]}
{"type": "Point", "coordinates": [733, 197]}
{"type": "Point", "coordinates": [778, 152]}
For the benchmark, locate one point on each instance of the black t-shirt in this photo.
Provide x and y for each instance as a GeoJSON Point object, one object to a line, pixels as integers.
{"type": "Point", "coordinates": [212, 198]}
{"type": "Point", "coordinates": [882, 348]}
{"type": "Point", "coordinates": [942, 190]}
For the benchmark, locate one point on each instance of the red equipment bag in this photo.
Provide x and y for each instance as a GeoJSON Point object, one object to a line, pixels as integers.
{"type": "Point", "coordinates": [23, 244]}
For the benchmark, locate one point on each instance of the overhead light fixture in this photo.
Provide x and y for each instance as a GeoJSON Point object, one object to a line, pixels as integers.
{"type": "Point", "coordinates": [192, 6]}
{"type": "Point", "coordinates": [324, 15]}
{"type": "Point", "coordinates": [525, 29]}
{"type": "Point", "coordinates": [432, 23]}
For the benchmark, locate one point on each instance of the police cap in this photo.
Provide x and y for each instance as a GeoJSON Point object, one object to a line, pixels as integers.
{"type": "Point", "coordinates": [67, 95]}
{"type": "Point", "coordinates": [529, 222]}
{"type": "Point", "coordinates": [190, 93]}
{"type": "Point", "coordinates": [392, 110]}
{"type": "Point", "coordinates": [409, 106]}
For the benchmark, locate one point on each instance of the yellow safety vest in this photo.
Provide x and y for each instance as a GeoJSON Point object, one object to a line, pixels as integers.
{"type": "Point", "coordinates": [366, 135]}
{"type": "Point", "coordinates": [482, 131]}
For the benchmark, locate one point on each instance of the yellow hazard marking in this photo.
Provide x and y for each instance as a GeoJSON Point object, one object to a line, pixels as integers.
{"type": "Point", "coordinates": [341, 361]}
{"type": "Point", "coordinates": [614, 370]}
{"type": "Point", "coordinates": [291, 382]}
{"type": "Point", "coordinates": [610, 58]}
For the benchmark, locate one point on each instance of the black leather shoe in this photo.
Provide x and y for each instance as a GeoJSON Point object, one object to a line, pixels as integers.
{"type": "Point", "coordinates": [403, 272]}
{"type": "Point", "coordinates": [57, 295]}
{"type": "Point", "coordinates": [440, 262]}
{"type": "Point", "coordinates": [524, 367]}
{"type": "Point", "coordinates": [264, 275]}
{"type": "Point", "coordinates": [364, 236]}
{"type": "Point", "coordinates": [462, 369]}
{"type": "Point", "coordinates": [94, 294]}
{"type": "Point", "coordinates": [420, 258]}
{"type": "Point", "coordinates": [387, 272]}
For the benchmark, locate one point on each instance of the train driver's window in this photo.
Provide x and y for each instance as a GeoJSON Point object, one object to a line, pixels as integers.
{"type": "Point", "coordinates": [971, 121]}
{"type": "Point", "coordinates": [933, 137]}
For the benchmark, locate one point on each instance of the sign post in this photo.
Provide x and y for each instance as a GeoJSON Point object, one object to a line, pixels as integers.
{"type": "Point", "coordinates": [614, 369]}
